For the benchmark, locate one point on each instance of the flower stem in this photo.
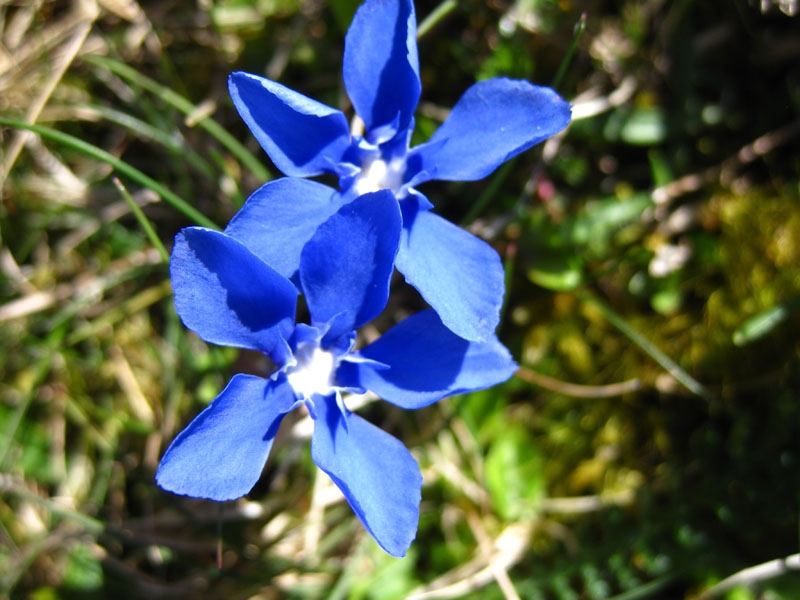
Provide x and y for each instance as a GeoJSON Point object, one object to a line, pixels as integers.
{"type": "Point", "coordinates": [439, 13]}
{"type": "Point", "coordinates": [580, 27]}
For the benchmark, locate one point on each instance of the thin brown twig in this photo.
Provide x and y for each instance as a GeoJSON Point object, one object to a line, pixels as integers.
{"type": "Point", "coordinates": [577, 390]}
{"type": "Point", "coordinates": [508, 548]}
{"type": "Point", "coordinates": [81, 288]}
{"type": "Point", "coordinates": [723, 173]}
{"type": "Point", "coordinates": [498, 570]}
{"type": "Point", "coordinates": [751, 575]}
{"type": "Point", "coordinates": [88, 12]}
{"type": "Point", "coordinates": [587, 504]}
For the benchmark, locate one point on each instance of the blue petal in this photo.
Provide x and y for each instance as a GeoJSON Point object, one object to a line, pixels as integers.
{"type": "Point", "coordinates": [221, 453]}
{"type": "Point", "coordinates": [493, 121]}
{"type": "Point", "coordinates": [428, 362]}
{"type": "Point", "coordinates": [458, 274]}
{"type": "Point", "coordinates": [346, 266]}
{"type": "Point", "coordinates": [280, 217]}
{"type": "Point", "coordinates": [381, 66]}
{"type": "Point", "coordinates": [227, 295]}
{"type": "Point", "coordinates": [303, 137]}
{"type": "Point", "coordinates": [377, 475]}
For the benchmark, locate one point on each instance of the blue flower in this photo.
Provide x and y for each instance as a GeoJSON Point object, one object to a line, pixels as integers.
{"type": "Point", "coordinates": [229, 296]}
{"type": "Point", "coordinates": [458, 275]}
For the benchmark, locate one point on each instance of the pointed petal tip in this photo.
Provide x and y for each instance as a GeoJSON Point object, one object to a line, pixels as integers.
{"type": "Point", "coordinates": [303, 137]}
{"type": "Point", "coordinates": [226, 294]}
{"type": "Point", "coordinates": [378, 476]}
{"type": "Point", "coordinates": [279, 218]}
{"type": "Point", "coordinates": [428, 362]}
{"type": "Point", "coordinates": [167, 482]}
{"type": "Point", "coordinates": [493, 121]}
{"type": "Point", "coordinates": [458, 274]}
{"type": "Point", "coordinates": [346, 267]}
{"type": "Point", "coordinates": [381, 66]}
{"type": "Point", "coordinates": [221, 453]}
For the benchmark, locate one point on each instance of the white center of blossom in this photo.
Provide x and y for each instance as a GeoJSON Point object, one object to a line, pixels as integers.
{"type": "Point", "coordinates": [313, 373]}
{"type": "Point", "coordinates": [377, 174]}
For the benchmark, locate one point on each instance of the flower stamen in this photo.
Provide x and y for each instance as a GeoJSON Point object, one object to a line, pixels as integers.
{"type": "Point", "coordinates": [313, 373]}
{"type": "Point", "coordinates": [377, 174]}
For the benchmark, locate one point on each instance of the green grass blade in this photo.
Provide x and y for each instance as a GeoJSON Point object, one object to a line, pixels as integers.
{"type": "Point", "coordinates": [247, 158]}
{"type": "Point", "coordinates": [489, 194]}
{"type": "Point", "coordinates": [669, 365]}
{"type": "Point", "coordinates": [580, 27]}
{"type": "Point", "coordinates": [146, 131]}
{"type": "Point", "coordinates": [649, 589]}
{"type": "Point", "coordinates": [143, 220]}
{"type": "Point", "coordinates": [89, 524]}
{"type": "Point", "coordinates": [39, 372]}
{"type": "Point", "coordinates": [131, 306]}
{"type": "Point", "coordinates": [439, 13]}
{"type": "Point", "coordinates": [135, 174]}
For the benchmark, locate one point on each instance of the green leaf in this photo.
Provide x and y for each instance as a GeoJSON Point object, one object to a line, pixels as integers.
{"type": "Point", "coordinates": [83, 573]}
{"type": "Point", "coordinates": [600, 220]}
{"type": "Point", "coordinates": [557, 272]}
{"type": "Point", "coordinates": [764, 322]}
{"type": "Point", "coordinates": [515, 473]}
{"type": "Point", "coordinates": [645, 126]}
{"type": "Point", "coordinates": [667, 301]}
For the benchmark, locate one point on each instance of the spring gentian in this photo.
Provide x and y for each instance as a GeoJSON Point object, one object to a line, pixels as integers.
{"type": "Point", "coordinates": [458, 275]}
{"type": "Point", "coordinates": [228, 295]}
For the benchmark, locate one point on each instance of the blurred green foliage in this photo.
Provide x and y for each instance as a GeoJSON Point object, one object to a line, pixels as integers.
{"type": "Point", "coordinates": [648, 448]}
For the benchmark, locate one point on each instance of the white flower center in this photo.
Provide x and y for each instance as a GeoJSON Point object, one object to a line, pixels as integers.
{"type": "Point", "coordinates": [313, 373]}
{"type": "Point", "coordinates": [376, 174]}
